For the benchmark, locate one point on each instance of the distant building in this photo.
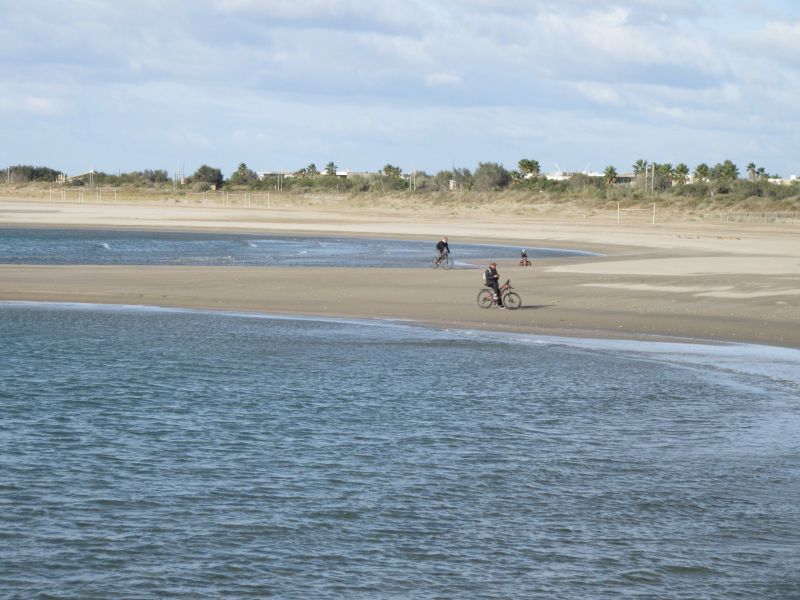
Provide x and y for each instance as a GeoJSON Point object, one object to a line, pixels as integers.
{"type": "Point", "coordinates": [625, 179]}
{"type": "Point", "coordinates": [565, 175]}
{"type": "Point", "coordinates": [265, 174]}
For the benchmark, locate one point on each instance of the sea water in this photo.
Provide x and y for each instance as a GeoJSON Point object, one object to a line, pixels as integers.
{"type": "Point", "coordinates": [78, 246]}
{"type": "Point", "coordinates": [154, 453]}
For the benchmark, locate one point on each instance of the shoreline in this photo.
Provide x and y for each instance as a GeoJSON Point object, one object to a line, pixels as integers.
{"type": "Point", "coordinates": [685, 282]}
{"type": "Point", "coordinates": [565, 336]}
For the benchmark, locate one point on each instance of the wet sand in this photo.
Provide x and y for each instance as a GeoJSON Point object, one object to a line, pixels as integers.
{"type": "Point", "coordinates": [696, 280]}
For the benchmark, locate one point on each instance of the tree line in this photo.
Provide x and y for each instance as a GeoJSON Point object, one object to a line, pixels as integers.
{"type": "Point", "coordinates": [721, 178]}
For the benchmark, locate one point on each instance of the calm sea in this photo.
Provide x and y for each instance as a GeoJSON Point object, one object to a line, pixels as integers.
{"type": "Point", "coordinates": [77, 246]}
{"type": "Point", "coordinates": [153, 453]}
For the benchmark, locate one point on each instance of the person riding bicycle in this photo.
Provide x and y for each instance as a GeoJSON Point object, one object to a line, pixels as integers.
{"type": "Point", "coordinates": [442, 248]}
{"type": "Point", "coordinates": [492, 279]}
{"type": "Point", "coordinates": [524, 256]}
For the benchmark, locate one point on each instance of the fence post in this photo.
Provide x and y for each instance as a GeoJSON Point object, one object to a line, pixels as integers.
{"type": "Point", "coordinates": [115, 195]}
{"type": "Point", "coordinates": [51, 195]}
{"type": "Point", "coordinates": [654, 213]}
{"type": "Point", "coordinates": [617, 213]}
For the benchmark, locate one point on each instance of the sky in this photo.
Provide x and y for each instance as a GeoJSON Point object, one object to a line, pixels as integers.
{"type": "Point", "coordinates": [421, 84]}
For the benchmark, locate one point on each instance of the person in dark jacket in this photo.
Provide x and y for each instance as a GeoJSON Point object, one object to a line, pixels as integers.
{"type": "Point", "coordinates": [442, 248]}
{"type": "Point", "coordinates": [492, 279]}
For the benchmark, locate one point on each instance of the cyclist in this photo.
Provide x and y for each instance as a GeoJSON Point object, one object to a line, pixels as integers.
{"type": "Point", "coordinates": [492, 279]}
{"type": "Point", "coordinates": [442, 248]}
{"type": "Point", "coordinates": [524, 256]}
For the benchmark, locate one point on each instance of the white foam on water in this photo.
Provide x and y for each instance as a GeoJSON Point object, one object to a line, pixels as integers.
{"type": "Point", "coordinates": [778, 364]}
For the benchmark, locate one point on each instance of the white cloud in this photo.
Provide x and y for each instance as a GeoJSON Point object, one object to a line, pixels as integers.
{"type": "Point", "coordinates": [380, 76]}
{"type": "Point", "coordinates": [442, 79]}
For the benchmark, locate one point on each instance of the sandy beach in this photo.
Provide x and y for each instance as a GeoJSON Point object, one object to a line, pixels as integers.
{"type": "Point", "coordinates": [693, 280]}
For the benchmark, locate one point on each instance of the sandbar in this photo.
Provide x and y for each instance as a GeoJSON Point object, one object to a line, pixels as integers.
{"type": "Point", "coordinates": [692, 280]}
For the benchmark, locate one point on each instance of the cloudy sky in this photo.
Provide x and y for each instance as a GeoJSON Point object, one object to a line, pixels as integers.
{"type": "Point", "coordinates": [422, 84]}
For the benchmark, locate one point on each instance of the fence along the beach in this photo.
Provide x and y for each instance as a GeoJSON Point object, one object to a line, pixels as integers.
{"type": "Point", "coordinates": [81, 196]}
{"type": "Point", "coordinates": [649, 211]}
{"type": "Point", "coordinates": [101, 195]}
{"type": "Point", "coordinates": [760, 217]}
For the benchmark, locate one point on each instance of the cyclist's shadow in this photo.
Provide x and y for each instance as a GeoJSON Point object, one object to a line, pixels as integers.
{"type": "Point", "coordinates": [536, 306]}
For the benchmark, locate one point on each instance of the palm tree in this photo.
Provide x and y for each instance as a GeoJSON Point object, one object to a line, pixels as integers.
{"type": "Point", "coordinates": [610, 175]}
{"type": "Point", "coordinates": [330, 168]}
{"type": "Point", "coordinates": [702, 172]}
{"type": "Point", "coordinates": [639, 166]}
{"type": "Point", "coordinates": [528, 166]}
{"type": "Point", "coordinates": [664, 169]}
{"type": "Point", "coordinates": [681, 173]}
{"type": "Point", "coordinates": [751, 171]}
{"type": "Point", "coordinates": [728, 170]}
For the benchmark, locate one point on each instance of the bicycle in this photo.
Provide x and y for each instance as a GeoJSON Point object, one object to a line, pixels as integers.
{"type": "Point", "coordinates": [511, 300]}
{"type": "Point", "coordinates": [445, 260]}
{"type": "Point", "coordinates": [525, 262]}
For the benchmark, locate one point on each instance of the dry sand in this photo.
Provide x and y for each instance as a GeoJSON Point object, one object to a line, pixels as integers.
{"type": "Point", "coordinates": [696, 280]}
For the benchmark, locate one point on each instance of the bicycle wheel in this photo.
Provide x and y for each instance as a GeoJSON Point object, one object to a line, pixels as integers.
{"type": "Point", "coordinates": [485, 298]}
{"type": "Point", "coordinates": [447, 263]}
{"type": "Point", "coordinates": [512, 301]}
{"type": "Point", "coordinates": [435, 262]}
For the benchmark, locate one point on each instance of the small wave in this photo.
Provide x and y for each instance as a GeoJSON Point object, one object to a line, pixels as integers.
{"type": "Point", "coordinates": [105, 246]}
{"type": "Point", "coordinates": [252, 244]}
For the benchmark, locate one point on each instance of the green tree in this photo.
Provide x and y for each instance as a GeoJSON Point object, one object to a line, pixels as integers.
{"type": "Point", "coordinates": [25, 173]}
{"type": "Point", "coordinates": [441, 181]}
{"type": "Point", "coordinates": [243, 176]}
{"type": "Point", "coordinates": [311, 170]}
{"type": "Point", "coordinates": [751, 171]}
{"type": "Point", "coordinates": [681, 173]}
{"type": "Point", "coordinates": [392, 172]}
{"type": "Point", "coordinates": [639, 166]}
{"type": "Point", "coordinates": [209, 175]}
{"type": "Point", "coordinates": [664, 169]}
{"type": "Point", "coordinates": [330, 168]}
{"type": "Point", "coordinates": [702, 172]}
{"type": "Point", "coordinates": [528, 166]}
{"type": "Point", "coordinates": [725, 170]}
{"type": "Point", "coordinates": [490, 176]}
{"type": "Point", "coordinates": [610, 175]}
